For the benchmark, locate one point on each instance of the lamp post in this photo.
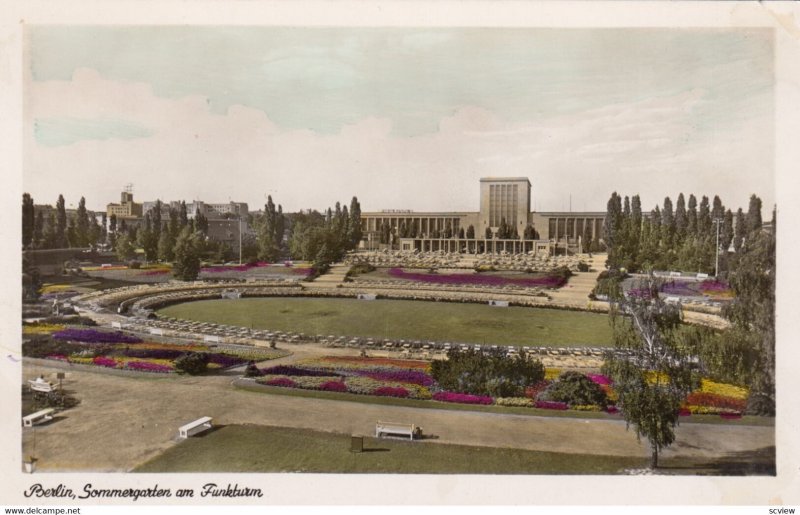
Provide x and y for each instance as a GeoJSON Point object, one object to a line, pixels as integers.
{"type": "Point", "coordinates": [716, 222]}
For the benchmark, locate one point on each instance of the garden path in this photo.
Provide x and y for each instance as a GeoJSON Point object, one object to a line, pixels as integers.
{"type": "Point", "coordinates": [122, 421]}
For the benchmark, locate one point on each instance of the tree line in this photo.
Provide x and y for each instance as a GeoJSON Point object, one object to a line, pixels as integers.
{"type": "Point", "coordinates": [682, 237]}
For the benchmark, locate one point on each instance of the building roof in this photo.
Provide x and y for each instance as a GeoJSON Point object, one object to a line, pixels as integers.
{"type": "Point", "coordinates": [499, 179]}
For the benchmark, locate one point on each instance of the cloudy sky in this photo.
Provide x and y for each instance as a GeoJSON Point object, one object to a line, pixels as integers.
{"type": "Point", "coordinates": [402, 118]}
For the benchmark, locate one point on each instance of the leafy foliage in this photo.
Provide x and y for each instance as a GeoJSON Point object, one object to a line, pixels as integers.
{"type": "Point", "coordinates": [489, 375]}
{"type": "Point", "coordinates": [192, 363]}
{"type": "Point", "coordinates": [575, 388]}
{"type": "Point", "coordinates": [653, 373]}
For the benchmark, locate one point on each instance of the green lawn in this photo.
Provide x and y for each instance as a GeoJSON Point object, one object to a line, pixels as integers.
{"type": "Point", "coordinates": [401, 319]}
{"type": "Point", "coordinates": [249, 448]}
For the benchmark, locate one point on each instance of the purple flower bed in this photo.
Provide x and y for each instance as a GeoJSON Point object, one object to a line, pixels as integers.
{"type": "Point", "coordinates": [680, 288]}
{"type": "Point", "coordinates": [462, 398]}
{"type": "Point", "coordinates": [94, 336]}
{"type": "Point", "coordinates": [599, 379]}
{"type": "Point", "coordinates": [226, 361]}
{"type": "Point", "coordinates": [399, 376]}
{"type": "Point", "coordinates": [281, 381]}
{"type": "Point", "coordinates": [154, 272]}
{"type": "Point", "coordinates": [148, 367]}
{"type": "Point", "coordinates": [730, 416]}
{"type": "Point", "coordinates": [390, 391]}
{"type": "Point", "coordinates": [712, 285]}
{"type": "Point", "coordinates": [612, 409]}
{"type": "Point", "coordinates": [484, 280]}
{"type": "Point", "coordinates": [333, 386]}
{"type": "Point", "coordinates": [153, 353]}
{"type": "Point", "coordinates": [236, 268]}
{"type": "Point", "coordinates": [550, 405]}
{"type": "Point", "coordinates": [639, 293]}
{"type": "Point", "coordinates": [289, 370]}
{"type": "Point", "coordinates": [103, 361]}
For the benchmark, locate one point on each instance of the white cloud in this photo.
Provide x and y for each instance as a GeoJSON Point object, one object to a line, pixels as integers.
{"type": "Point", "coordinates": [650, 147]}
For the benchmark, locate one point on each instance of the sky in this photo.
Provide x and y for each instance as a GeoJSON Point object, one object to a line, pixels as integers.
{"type": "Point", "coordinates": [402, 118]}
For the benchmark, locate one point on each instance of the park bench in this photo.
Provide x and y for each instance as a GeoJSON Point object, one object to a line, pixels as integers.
{"type": "Point", "coordinates": [198, 426]}
{"type": "Point", "coordinates": [395, 429]}
{"type": "Point", "coordinates": [38, 386]}
{"type": "Point", "coordinates": [40, 416]}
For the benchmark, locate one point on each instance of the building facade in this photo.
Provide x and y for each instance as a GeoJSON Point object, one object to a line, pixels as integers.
{"type": "Point", "coordinates": [127, 208]}
{"type": "Point", "coordinates": [501, 199]}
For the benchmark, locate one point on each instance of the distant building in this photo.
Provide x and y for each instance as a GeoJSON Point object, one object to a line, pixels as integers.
{"type": "Point", "coordinates": [127, 208]}
{"type": "Point", "coordinates": [501, 198]}
{"type": "Point", "coordinates": [210, 211]}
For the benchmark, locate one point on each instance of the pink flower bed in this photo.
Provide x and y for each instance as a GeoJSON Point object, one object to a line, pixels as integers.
{"type": "Point", "coordinates": [462, 398]}
{"type": "Point", "coordinates": [145, 366]}
{"type": "Point", "coordinates": [599, 379]}
{"type": "Point", "coordinates": [612, 409]}
{"type": "Point", "coordinates": [333, 386]}
{"type": "Point", "coordinates": [390, 391]}
{"type": "Point", "coordinates": [281, 381]}
{"type": "Point", "coordinates": [485, 280]}
{"type": "Point", "coordinates": [233, 268]}
{"type": "Point", "coordinates": [730, 416]}
{"type": "Point", "coordinates": [103, 361]}
{"type": "Point", "coordinates": [550, 405]}
{"type": "Point", "coordinates": [683, 412]}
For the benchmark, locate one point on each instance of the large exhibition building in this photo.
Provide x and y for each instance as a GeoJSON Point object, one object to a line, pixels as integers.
{"type": "Point", "coordinates": [505, 222]}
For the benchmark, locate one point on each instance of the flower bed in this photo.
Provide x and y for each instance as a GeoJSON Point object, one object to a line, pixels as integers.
{"type": "Point", "coordinates": [548, 281]}
{"type": "Point", "coordinates": [462, 398]}
{"type": "Point", "coordinates": [41, 328]}
{"type": "Point", "coordinates": [94, 336]}
{"type": "Point", "coordinates": [551, 405]}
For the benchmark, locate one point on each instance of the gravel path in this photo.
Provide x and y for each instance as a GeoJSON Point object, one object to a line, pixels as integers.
{"type": "Point", "coordinates": [124, 420]}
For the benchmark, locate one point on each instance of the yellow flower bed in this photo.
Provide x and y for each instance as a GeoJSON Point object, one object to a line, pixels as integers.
{"type": "Point", "coordinates": [41, 328]}
{"type": "Point", "coordinates": [551, 374]}
{"type": "Point", "coordinates": [54, 288]}
{"type": "Point", "coordinates": [726, 390]}
{"type": "Point", "coordinates": [709, 410]}
{"type": "Point", "coordinates": [586, 407]}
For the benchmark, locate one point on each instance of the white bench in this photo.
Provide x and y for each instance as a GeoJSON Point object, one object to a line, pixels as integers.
{"type": "Point", "coordinates": [40, 416]}
{"type": "Point", "coordinates": [395, 429]}
{"type": "Point", "coordinates": [198, 426]}
{"type": "Point", "coordinates": [39, 386]}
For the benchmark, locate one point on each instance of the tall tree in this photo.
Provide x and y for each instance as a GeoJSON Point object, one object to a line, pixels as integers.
{"type": "Point", "coordinates": [156, 216]}
{"type": "Point", "coordinates": [683, 223]}
{"type": "Point", "coordinates": [752, 314]}
{"type": "Point", "coordinates": [38, 230]}
{"type": "Point", "coordinates": [50, 238]}
{"type": "Point", "coordinates": [28, 220]}
{"type": "Point", "coordinates": [739, 231]}
{"type": "Point", "coordinates": [125, 248]}
{"type": "Point", "coordinates": [187, 256]}
{"type": "Point", "coordinates": [201, 223]}
{"type": "Point", "coordinates": [754, 222]}
{"type": "Point", "coordinates": [691, 216]}
{"type": "Point", "coordinates": [471, 232]}
{"type": "Point", "coordinates": [82, 224]}
{"type": "Point", "coordinates": [61, 222]}
{"type": "Point", "coordinates": [704, 218]}
{"type": "Point", "coordinates": [355, 224]}
{"type": "Point", "coordinates": [652, 376]}
{"type": "Point", "coordinates": [183, 215]}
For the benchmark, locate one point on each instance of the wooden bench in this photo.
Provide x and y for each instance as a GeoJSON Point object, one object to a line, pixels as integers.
{"type": "Point", "coordinates": [40, 416]}
{"type": "Point", "coordinates": [395, 429]}
{"type": "Point", "coordinates": [38, 386]}
{"type": "Point", "coordinates": [198, 426]}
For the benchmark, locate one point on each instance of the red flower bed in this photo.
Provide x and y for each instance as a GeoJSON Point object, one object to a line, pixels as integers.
{"type": "Point", "coordinates": [730, 416]}
{"type": "Point", "coordinates": [532, 391]}
{"type": "Point", "coordinates": [715, 401]}
{"type": "Point", "coordinates": [683, 412]}
{"type": "Point", "coordinates": [281, 381]}
{"type": "Point", "coordinates": [550, 405]}
{"type": "Point", "coordinates": [462, 398]}
{"type": "Point", "coordinates": [391, 391]}
{"type": "Point", "coordinates": [333, 386]}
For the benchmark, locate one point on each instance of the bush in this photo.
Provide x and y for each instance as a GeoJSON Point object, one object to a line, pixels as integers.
{"type": "Point", "coordinates": [574, 388]}
{"type": "Point", "coordinates": [134, 265]}
{"type": "Point", "coordinates": [192, 363]}
{"type": "Point", "coordinates": [583, 266]}
{"type": "Point", "coordinates": [609, 284]}
{"type": "Point", "coordinates": [478, 374]}
{"type": "Point", "coordinates": [359, 268]}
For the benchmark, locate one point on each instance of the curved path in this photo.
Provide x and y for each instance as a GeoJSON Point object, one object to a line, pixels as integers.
{"type": "Point", "coordinates": [123, 421]}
